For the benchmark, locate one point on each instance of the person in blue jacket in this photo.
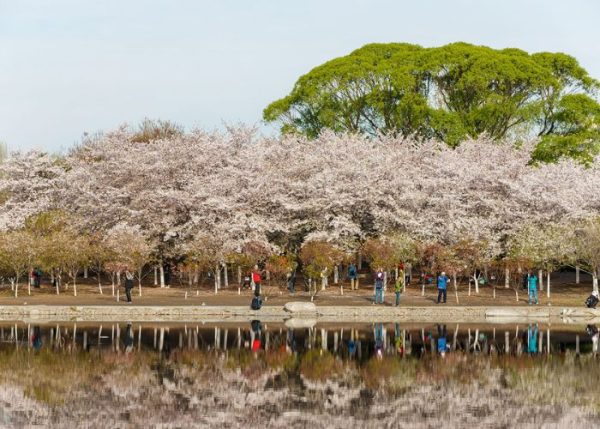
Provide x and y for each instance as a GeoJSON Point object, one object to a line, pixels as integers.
{"type": "Point", "coordinates": [442, 283]}
{"type": "Point", "coordinates": [532, 283]}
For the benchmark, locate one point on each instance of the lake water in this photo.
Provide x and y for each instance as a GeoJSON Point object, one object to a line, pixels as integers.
{"type": "Point", "coordinates": [277, 375]}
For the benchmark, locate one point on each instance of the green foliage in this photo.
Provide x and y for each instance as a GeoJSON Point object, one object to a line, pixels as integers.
{"type": "Point", "coordinates": [452, 93]}
{"type": "Point", "coordinates": [320, 365]}
{"type": "Point", "coordinates": [150, 130]}
{"type": "Point", "coordinates": [319, 257]}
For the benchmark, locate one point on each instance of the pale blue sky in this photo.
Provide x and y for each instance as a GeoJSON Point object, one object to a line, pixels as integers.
{"type": "Point", "coordinates": [69, 66]}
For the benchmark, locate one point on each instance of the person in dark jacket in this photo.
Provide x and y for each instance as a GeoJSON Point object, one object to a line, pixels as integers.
{"type": "Point", "coordinates": [353, 276]}
{"type": "Point", "coordinates": [128, 284]}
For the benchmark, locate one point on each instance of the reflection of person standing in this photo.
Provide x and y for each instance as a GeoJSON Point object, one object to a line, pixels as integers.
{"type": "Point", "coordinates": [532, 338]}
{"type": "Point", "coordinates": [442, 342]}
{"type": "Point", "coordinates": [442, 282]}
{"type": "Point", "coordinates": [128, 284]}
{"type": "Point", "coordinates": [128, 340]}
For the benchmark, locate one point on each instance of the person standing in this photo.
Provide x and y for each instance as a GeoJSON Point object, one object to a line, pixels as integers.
{"type": "Point", "coordinates": [353, 276]}
{"type": "Point", "coordinates": [256, 278]}
{"type": "Point", "coordinates": [291, 281]}
{"type": "Point", "coordinates": [128, 284]}
{"type": "Point", "coordinates": [532, 282]}
{"type": "Point", "coordinates": [399, 286]}
{"type": "Point", "coordinates": [442, 283]}
{"type": "Point", "coordinates": [379, 287]}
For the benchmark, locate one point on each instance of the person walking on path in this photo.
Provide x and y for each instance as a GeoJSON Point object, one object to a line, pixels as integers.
{"type": "Point", "coordinates": [353, 276]}
{"type": "Point", "coordinates": [399, 286]}
{"type": "Point", "coordinates": [532, 282]}
{"type": "Point", "coordinates": [128, 284]}
{"type": "Point", "coordinates": [442, 283]}
{"type": "Point", "coordinates": [379, 287]}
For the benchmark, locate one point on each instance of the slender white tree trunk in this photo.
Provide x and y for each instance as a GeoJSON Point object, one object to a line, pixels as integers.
{"type": "Point", "coordinates": [161, 270]}
{"type": "Point", "coordinates": [541, 278]}
{"type": "Point", "coordinates": [476, 282]}
{"type": "Point", "coordinates": [99, 282]}
{"type": "Point", "coordinates": [577, 274]}
{"type": "Point", "coordinates": [85, 272]}
{"type": "Point", "coordinates": [239, 275]}
{"type": "Point", "coordinates": [595, 280]}
{"type": "Point", "coordinates": [506, 278]}
{"type": "Point", "coordinates": [118, 278]}
{"type": "Point", "coordinates": [455, 286]}
{"type": "Point", "coordinates": [336, 274]}
{"type": "Point", "coordinates": [360, 260]}
{"type": "Point", "coordinates": [155, 275]}
{"type": "Point", "coordinates": [140, 281]}
{"type": "Point", "coordinates": [548, 284]}
{"type": "Point", "coordinates": [16, 287]}
{"type": "Point", "coordinates": [75, 285]}
{"type": "Point", "coordinates": [225, 275]}
{"type": "Point", "coordinates": [217, 279]}
{"type": "Point", "coordinates": [112, 280]}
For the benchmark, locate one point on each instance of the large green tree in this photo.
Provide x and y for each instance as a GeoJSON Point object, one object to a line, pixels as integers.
{"type": "Point", "coordinates": [453, 92]}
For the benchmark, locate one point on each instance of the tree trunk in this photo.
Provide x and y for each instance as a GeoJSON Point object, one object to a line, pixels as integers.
{"type": "Point", "coordinates": [577, 274]}
{"type": "Point", "coordinates": [112, 280]}
{"type": "Point", "coordinates": [119, 278]}
{"type": "Point", "coordinates": [57, 282]}
{"type": "Point", "coordinates": [99, 281]}
{"type": "Point", "coordinates": [225, 275]}
{"type": "Point", "coordinates": [476, 282]}
{"type": "Point", "coordinates": [455, 286]}
{"type": "Point", "coordinates": [216, 279]}
{"type": "Point", "coordinates": [506, 278]}
{"type": "Point", "coordinates": [140, 281]}
{"type": "Point", "coordinates": [161, 270]}
{"type": "Point", "coordinates": [239, 275]}
{"type": "Point", "coordinates": [75, 285]}
{"type": "Point", "coordinates": [336, 274]}
{"type": "Point", "coordinates": [595, 281]}
{"type": "Point", "coordinates": [360, 260]}
{"type": "Point", "coordinates": [155, 275]}
{"type": "Point", "coordinates": [16, 287]}
{"type": "Point", "coordinates": [541, 278]}
{"type": "Point", "coordinates": [85, 272]}
{"type": "Point", "coordinates": [548, 284]}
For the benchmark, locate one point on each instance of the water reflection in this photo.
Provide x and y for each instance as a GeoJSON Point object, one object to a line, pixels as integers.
{"type": "Point", "coordinates": [351, 342]}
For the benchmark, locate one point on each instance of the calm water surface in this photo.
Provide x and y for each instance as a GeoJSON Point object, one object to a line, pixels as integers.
{"type": "Point", "coordinates": [278, 375]}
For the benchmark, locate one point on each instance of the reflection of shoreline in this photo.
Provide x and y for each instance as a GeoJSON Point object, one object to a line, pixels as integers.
{"type": "Point", "coordinates": [323, 314]}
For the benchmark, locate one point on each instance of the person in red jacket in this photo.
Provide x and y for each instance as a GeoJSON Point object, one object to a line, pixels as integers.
{"type": "Point", "coordinates": [256, 279]}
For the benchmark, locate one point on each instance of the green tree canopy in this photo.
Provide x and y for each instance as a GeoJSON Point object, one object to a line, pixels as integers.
{"type": "Point", "coordinates": [453, 92]}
